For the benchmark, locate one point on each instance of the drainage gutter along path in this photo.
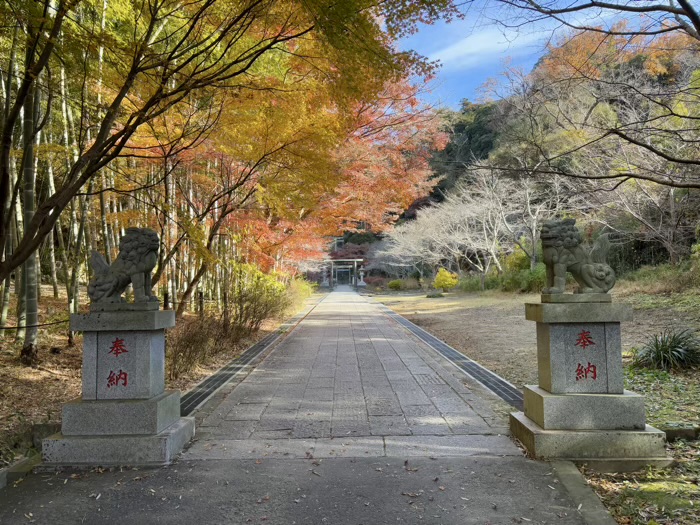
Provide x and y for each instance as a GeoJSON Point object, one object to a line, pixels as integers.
{"type": "Point", "coordinates": [200, 394]}
{"type": "Point", "coordinates": [499, 386]}
{"type": "Point", "coordinates": [349, 420]}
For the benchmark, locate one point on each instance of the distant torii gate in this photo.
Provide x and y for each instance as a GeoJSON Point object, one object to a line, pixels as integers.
{"type": "Point", "coordinates": [344, 264]}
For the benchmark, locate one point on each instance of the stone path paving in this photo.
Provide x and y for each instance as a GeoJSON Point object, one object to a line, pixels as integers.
{"type": "Point", "coordinates": [349, 420]}
{"type": "Point", "coordinates": [347, 372]}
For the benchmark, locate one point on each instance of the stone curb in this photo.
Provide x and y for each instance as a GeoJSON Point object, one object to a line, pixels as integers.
{"type": "Point", "coordinates": [18, 470]}
{"type": "Point", "coordinates": [591, 508]}
{"type": "Point", "coordinates": [674, 433]}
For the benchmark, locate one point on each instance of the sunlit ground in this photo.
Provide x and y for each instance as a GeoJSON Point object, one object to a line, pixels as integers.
{"type": "Point", "coordinates": [451, 302]}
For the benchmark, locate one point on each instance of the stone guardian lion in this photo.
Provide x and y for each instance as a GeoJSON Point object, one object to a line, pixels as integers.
{"type": "Point", "coordinates": [562, 250]}
{"type": "Point", "coordinates": [138, 255]}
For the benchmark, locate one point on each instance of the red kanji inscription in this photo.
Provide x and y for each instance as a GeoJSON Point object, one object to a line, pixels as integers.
{"type": "Point", "coordinates": [589, 372]}
{"type": "Point", "coordinates": [115, 379]}
{"type": "Point", "coordinates": [584, 339]}
{"type": "Point", "coordinates": [118, 347]}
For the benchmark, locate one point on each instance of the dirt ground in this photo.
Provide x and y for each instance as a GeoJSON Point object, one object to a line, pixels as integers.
{"type": "Point", "coordinates": [488, 326]}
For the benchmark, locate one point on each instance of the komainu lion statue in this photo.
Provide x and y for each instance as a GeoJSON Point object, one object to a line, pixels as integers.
{"type": "Point", "coordinates": [138, 255]}
{"type": "Point", "coordinates": [561, 244]}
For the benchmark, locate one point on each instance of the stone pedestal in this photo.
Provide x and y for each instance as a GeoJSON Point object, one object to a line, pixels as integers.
{"type": "Point", "coordinates": [580, 410]}
{"type": "Point", "coordinates": [125, 415]}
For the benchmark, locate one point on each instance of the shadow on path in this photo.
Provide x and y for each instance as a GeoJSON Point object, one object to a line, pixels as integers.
{"type": "Point", "coordinates": [349, 420]}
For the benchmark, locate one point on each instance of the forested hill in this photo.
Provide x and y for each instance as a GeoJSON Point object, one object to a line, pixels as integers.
{"type": "Point", "coordinates": [604, 129]}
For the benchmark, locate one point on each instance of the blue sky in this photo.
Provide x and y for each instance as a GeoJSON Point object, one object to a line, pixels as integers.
{"type": "Point", "coordinates": [472, 51]}
{"type": "Point", "coordinates": [478, 48]}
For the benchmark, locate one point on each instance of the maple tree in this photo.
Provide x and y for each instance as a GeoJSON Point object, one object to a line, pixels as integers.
{"type": "Point", "coordinates": [140, 59]}
{"type": "Point", "coordinates": [223, 124]}
{"type": "Point", "coordinates": [384, 162]}
{"type": "Point", "coordinates": [608, 107]}
{"type": "Point", "coordinates": [619, 85]}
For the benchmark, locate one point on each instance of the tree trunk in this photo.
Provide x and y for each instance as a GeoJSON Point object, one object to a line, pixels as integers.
{"type": "Point", "coordinates": [75, 273]}
{"type": "Point", "coordinates": [8, 284]}
{"type": "Point", "coordinates": [52, 248]}
{"type": "Point", "coordinates": [191, 286]}
{"type": "Point", "coordinates": [20, 283]}
{"type": "Point", "coordinates": [103, 206]}
{"type": "Point", "coordinates": [29, 355]}
{"type": "Point", "coordinates": [9, 203]}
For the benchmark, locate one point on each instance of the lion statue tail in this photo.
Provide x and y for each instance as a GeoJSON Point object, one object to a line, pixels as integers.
{"type": "Point", "coordinates": [98, 264]}
{"type": "Point", "coordinates": [101, 284]}
{"type": "Point", "coordinates": [599, 252]}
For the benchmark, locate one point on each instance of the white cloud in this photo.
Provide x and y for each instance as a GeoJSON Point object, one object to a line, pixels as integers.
{"type": "Point", "coordinates": [489, 45]}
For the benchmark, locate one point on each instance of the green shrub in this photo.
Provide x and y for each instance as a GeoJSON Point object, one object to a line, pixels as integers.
{"type": "Point", "coordinates": [524, 280]}
{"type": "Point", "coordinates": [492, 282]}
{"type": "Point", "coordinates": [664, 278]}
{"type": "Point", "coordinates": [444, 280]}
{"type": "Point", "coordinates": [191, 342]}
{"type": "Point", "coordinates": [252, 297]}
{"type": "Point", "coordinates": [652, 274]}
{"type": "Point", "coordinates": [511, 281]}
{"type": "Point", "coordinates": [403, 284]}
{"type": "Point", "coordinates": [395, 285]}
{"type": "Point", "coordinates": [470, 283]}
{"type": "Point", "coordinates": [533, 280]}
{"type": "Point", "coordinates": [298, 291]}
{"type": "Point", "coordinates": [516, 260]}
{"type": "Point", "coordinates": [667, 350]}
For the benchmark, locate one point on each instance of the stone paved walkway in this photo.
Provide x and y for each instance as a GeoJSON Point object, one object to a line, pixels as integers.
{"type": "Point", "coordinates": [346, 372]}
{"type": "Point", "coordinates": [349, 420]}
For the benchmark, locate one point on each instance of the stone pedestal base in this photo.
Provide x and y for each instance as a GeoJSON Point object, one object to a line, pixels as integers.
{"type": "Point", "coordinates": [604, 450]}
{"type": "Point", "coordinates": [584, 411]}
{"type": "Point", "coordinates": [121, 417]}
{"type": "Point", "coordinates": [105, 451]}
{"type": "Point", "coordinates": [125, 415]}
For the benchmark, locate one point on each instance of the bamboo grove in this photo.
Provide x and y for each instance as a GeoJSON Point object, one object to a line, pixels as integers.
{"type": "Point", "coordinates": [241, 130]}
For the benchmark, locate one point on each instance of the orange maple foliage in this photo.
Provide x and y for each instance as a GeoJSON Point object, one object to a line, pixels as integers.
{"type": "Point", "coordinates": [384, 162]}
{"type": "Point", "coordinates": [586, 54]}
